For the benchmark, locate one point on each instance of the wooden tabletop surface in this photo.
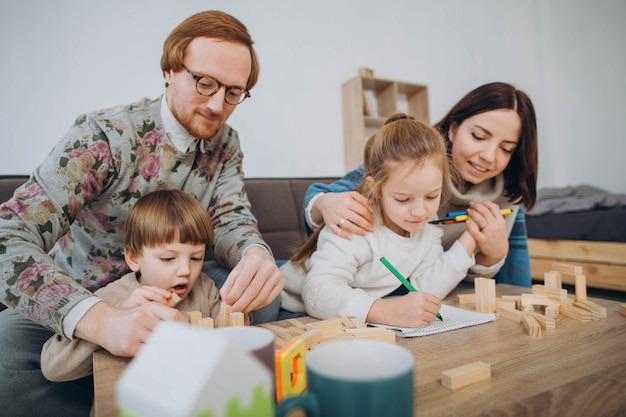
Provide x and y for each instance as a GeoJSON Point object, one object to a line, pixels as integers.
{"type": "Point", "coordinates": [575, 369]}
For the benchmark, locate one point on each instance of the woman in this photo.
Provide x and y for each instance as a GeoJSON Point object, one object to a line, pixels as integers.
{"type": "Point", "coordinates": [491, 135]}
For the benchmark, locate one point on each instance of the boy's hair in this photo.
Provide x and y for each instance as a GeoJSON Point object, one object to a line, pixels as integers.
{"type": "Point", "coordinates": [210, 24]}
{"type": "Point", "coordinates": [401, 139]}
{"type": "Point", "coordinates": [165, 216]}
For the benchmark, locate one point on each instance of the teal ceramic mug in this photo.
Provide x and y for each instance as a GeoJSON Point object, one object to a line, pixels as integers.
{"type": "Point", "coordinates": [356, 378]}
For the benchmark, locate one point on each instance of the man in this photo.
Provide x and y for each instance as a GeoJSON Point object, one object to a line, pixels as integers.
{"type": "Point", "coordinates": [61, 236]}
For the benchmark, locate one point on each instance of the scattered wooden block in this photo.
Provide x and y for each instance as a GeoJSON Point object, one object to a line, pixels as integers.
{"type": "Point", "coordinates": [552, 279]}
{"type": "Point", "coordinates": [535, 300]}
{"type": "Point", "coordinates": [462, 376]}
{"type": "Point", "coordinates": [505, 302]}
{"type": "Point", "coordinates": [575, 313]}
{"type": "Point", "coordinates": [358, 323]}
{"type": "Point", "coordinates": [552, 312]}
{"type": "Point", "coordinates": [567, 268]}
{"type": "Point", "coordinates": [207, 323]}
{"type": "Point", "coordinates": [544, 321]}
{"type": "Point", "coordinates": [311, 338]}
{"type": "Point", "coordinates": [237, 318]}
{"type": "Point", "coordinates": [531, 325]}
{"type": "Point", "coordinates": [485, 293]}
{"type": "Point", "coordinates": [466, 298]}
{"type": "Point", "coordinates": [580, 287]}
{"type": "Point", "coordinates": [622, 309]}
{"type": "Point", "coordinates": [597, 311]}
{"type": "Point", "coordinates": [174, 299]}
{"type": "Point", "coordinates": [510, 313]}
{"type": "Point", "coordinates": [376, 333]}
{"type": "Point", "coordinates": [194, 317]}
{"type": "Point", "coordinates": [223, 317]}
{"type": "Point", "coordinates": [556, 293]}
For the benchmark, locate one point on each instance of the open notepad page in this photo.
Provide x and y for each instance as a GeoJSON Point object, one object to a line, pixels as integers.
{"type": "Point", "coordinates": [453, 318]}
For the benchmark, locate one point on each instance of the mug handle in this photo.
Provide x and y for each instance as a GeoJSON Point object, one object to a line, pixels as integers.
{"type": "Point", "coordinates": [308, 402]}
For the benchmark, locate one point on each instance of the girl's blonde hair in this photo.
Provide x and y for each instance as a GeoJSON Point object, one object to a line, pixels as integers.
{"type": "Point", "coordinates": [402, 139]}
{"type": "Point", "coordinates": [165, 216]}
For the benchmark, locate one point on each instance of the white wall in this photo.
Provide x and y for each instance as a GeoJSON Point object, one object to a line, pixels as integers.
{"type": "Point", "coordinates": [64, 58]}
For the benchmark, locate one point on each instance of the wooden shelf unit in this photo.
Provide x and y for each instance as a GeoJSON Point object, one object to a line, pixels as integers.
{"type": "Point", "coordinates": [369, 101]}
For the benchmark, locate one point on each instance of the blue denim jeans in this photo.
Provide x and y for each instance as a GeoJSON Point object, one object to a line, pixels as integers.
{"type": "Point", "coordinates": [24, 391]}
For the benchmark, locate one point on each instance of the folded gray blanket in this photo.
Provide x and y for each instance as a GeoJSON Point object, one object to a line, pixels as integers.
{"type": "Point", "coordinates": [577, 198]}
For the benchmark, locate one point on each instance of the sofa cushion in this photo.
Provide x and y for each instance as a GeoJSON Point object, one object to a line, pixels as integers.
{"type": "Point", "coordinates": [277, 205]}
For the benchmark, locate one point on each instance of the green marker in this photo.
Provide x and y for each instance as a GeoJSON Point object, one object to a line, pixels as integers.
{"type": "Point", "coordinates": [403, 280]}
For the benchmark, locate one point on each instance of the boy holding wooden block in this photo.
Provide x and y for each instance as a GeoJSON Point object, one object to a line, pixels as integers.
{"type": "Point", "coordinates": [166, 236]}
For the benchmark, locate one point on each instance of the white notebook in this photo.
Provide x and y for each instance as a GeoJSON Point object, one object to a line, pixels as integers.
{"type": "Point", "coordinates": [453, 318]}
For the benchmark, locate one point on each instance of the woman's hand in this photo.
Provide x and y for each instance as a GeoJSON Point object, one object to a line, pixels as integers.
{"type": "Point", "coordinates": [415, 309]}
{"type": "Point", "coordinates": [488, 227]}
{"type": "Point", "coordinates": [344, 213]}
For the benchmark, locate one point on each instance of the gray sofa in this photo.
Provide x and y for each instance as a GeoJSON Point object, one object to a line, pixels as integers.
{"type": "Point", "coordinates": [276, 203]}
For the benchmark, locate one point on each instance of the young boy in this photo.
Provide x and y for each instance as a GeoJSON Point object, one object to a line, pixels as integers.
{"type": "Point", "coordinates": [165, 239]}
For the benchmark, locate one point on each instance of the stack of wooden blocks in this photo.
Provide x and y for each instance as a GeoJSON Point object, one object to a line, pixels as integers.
{"type": "Point", "coordinates": [539, 309]}
{"type": "Point", "coordinates": [316, 332]}
{"type": "Point", "coordinates": [225, 318]}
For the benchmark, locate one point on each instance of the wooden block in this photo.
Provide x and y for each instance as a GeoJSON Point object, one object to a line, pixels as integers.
{"type": "Point", "coordinates": [376, 333]}
{"type": "Point", "coordinates": [280, 332]}
{"type": "Point", "coordinates": [207, 323]}
{"type": "Point", "coordinates": [311, 338]}
{"type": "Point", "coordinates": [531, 325]}
{"type": "Point", "coordinates": [597, 311]}
{"type": "Point", "coordinates": [535, 299]}
{"type": "Point", "coordinates": [466, 298]}
{"type": "Point", "coordinates": [556, 293]}
{"type": "Point", "coordinates": [575, 313]}
{"type": "Point", "coordinates": [544, 321]}
{"type": "Point", "coordinates": [552, 279]}
{"type": "Point", "coordinates": [510, 313]}
{"type": "Point", "coordinates": [237, 319]}
{"type": "Point", "coordinates": [552, 312]}
{"type": "Point", "coordinates": [462, 376]}
{"type": "Point", "coordinates": [327, 325]}
{"type": "Point", "coordinates": [295, 331]}
{"type": "Point", "coordinates": [297, 323]}
{"type": "Point", "coordinates": [174, 299]}
{"type": "Point", "coordinates": [194, 317]}
{"type": "Point", "coordinates": [347, 323]}
{"type": "Point", "coordinates": [622, 309]}
{"type": "Point", "coordinates": [336, 335]}
{"type": "Point", "coordinates": [570, 269]}
{"type": "Point", "coordinates": [358, 323]}
{"type": "Point", "coordinates": [506, 303]}
{"type": "Point", "coordinates": [485, 293]}
{"type": "Point", "coordinates": [580, 287]}
{"type": "Point", "coordinates": [223, 317]}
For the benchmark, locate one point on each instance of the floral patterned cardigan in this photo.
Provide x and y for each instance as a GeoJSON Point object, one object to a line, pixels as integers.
{"type": "Point", "coordinates": [61, 235]}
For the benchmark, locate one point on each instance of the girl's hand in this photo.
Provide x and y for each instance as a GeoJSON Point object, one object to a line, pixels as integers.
{"type": "Point", "coordinates": [344, 213]}
{"type": "Point", "coordinates": [488, 227]}
{"type": "Point", "coordinates": [145, 294]}
{"type": "Point", "coordinates": [415, 309]}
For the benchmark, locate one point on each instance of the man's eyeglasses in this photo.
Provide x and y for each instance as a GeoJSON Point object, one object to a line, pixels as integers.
{"type": "Point", "coordinates": [208, 86]}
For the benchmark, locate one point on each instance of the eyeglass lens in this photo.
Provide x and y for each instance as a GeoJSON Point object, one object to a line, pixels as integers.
{"type": "Point", "coordinates": [208, 86]}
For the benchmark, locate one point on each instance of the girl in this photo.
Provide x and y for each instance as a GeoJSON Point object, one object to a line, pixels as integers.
{"type": "Point", "coordinates": [491, 134]}
{"type": "Point", "coordinates": [405, 177]}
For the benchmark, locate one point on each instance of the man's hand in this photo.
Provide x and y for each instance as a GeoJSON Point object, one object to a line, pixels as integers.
{"type": "Point", "coordinates": [123, 331]}
{"type": "Point", "coordinates": [254, 282]}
